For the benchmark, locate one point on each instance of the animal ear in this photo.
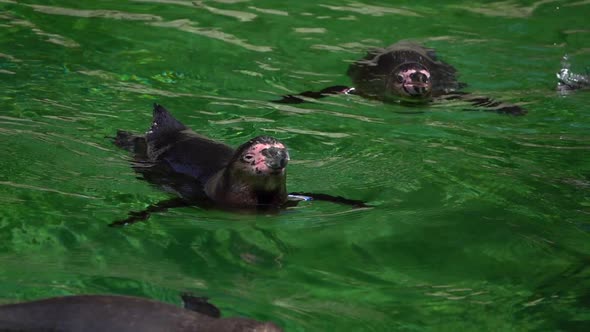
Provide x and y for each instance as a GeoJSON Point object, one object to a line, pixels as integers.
{"type": "Point", "coordinates": [163, 123]}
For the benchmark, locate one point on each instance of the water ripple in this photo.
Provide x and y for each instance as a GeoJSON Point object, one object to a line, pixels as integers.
{"type": "Point", "coordinates": [138, 88]}
{"type": "Point", "coordinates": [78, 141]}
{"type": "Point", "coordinates": [25, 186]}
{"type": "Point", "coordinates": [50, 37]}
{"type": "Point", "coordinates": [579, 3]}
{"type": "Point", "coordinates": [54, 103]}
{"type": "Point", "coordinates": [308, 132]}
{"type": "Point", "coordinates": [241, 119]}
{"type": "Point", "coordinates": [269, 11]}
{"type": "Point", "coordinates": [350, 47]}
{"type": "Point", "coordinates": [188, 26]}
{"type": "Point", "coordinates": [361, 8]}
{"type": "Point", "coordinates": [168, 2]}
{"type": "Point", "coordinates": [310, 30]}
{"type": "Point", "coordinates": [331, 48]}
{"type": "Point", "coordinates": [142, 89]}
{"type": "Point", "coordinates": [101, 13]}
{"type": "Point", "coordinates": [504, 8]}
{"type": "Point", "coordinates": [241, 16]}
{"type": "Point", "coordinates": [9, 57]}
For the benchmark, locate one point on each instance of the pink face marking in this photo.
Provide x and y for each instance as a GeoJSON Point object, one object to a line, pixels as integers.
{"type": "Point", "coordinates": [264, 158]}
{"type": "Point", "coordinates": [408, 75]}
{"type": "Point", "coordinates": [414, 82]}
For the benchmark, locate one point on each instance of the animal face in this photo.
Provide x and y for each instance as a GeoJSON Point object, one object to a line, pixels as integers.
{"type": "Point", "coordinates": [264, 159]}
{"type": "Point", "coordinates": [410, 80]}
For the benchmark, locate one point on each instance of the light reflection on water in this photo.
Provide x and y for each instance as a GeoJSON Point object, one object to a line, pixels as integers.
{"type": "Point", "coordinates": [479, 221]}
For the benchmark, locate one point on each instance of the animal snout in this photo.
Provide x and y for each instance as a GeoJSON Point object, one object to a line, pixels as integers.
{"type": "Point", "coordinates": [277, 158]}
{"type": "Point", "coordinates": [419, 77]}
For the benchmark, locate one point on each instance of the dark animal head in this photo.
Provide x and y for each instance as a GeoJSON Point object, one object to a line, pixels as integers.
{"type": "Point", "coordinates": [410, 80]}
{"type": "Point", "coordinates": [261, 161]}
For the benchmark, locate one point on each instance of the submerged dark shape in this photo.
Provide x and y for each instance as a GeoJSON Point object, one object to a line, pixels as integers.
{"type": "Point", "coordinates": [207, 173]}
{"type": "Point", "coordinates": [407, 73]}
{"type": "Point", "coordinates": [567, 80]}
{"type": "Point", "coordinates": [200, 304]}
{"type": "Point", "coordinates": [113, 313]}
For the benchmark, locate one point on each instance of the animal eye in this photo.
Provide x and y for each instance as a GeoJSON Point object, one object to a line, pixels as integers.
{"type": "Point", "coordinates": [248, 158]}
{"type": "Point", "coordinates": [399, 78]}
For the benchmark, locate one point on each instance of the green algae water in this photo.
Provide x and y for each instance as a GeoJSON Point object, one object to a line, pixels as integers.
{"type": "Point", "coordinates": [480, 222]}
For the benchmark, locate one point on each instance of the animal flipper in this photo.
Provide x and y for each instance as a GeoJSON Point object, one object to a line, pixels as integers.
{"type": "Point", "coordinates": [328, 198]}
{"type": "Point", "coordinates": [143, 215]}
{"type": "Point", "coordinates": [163, 123]}
{"type": "Point", "coordinates": [130, 142]}
{"type": "Point", "coordinates": [200, 305]}
{"type": "Point", "coordinates": [300, 97]}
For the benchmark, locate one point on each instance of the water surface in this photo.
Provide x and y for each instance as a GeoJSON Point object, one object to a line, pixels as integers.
{"type": "Point", "coordinates": [480, 220]}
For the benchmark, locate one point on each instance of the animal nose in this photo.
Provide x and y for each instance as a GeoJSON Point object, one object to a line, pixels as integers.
{"type": "Point", "coordinates": [279, 162]}
{"type": "Point", "coordinates": [277, 158]}
{"type": "Point", "coordinates": [419, 78]}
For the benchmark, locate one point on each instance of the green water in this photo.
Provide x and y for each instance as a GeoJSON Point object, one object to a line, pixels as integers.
{"type": "Point", "coordinates": [480, 222]}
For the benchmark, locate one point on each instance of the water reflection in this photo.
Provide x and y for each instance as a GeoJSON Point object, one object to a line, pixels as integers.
{"type": "Point", "coordinates": [51, 190]}
{"type": "Point", "coordinates": [241, 16]}
{"type": "Point", "coordinates": [182, 24]}
{"type": "Point", "coordinates": [9, 57]}
{"type": "Point", "coordinates": [505, 8]}
{"type": "Point", "coordinates": [474, 213]}
{"type": "Point", "coordinates": [310, 30]}
{"type": "Point", "coordinates": [48, 37]}
{"type": "Point", "coordinates": [99, 13]}
{"type": "Point", "coordinates": [372, 10]}
{"type": "Point", "coordinates": [269, 11]}
{"type": "Point", "coordinates": [189, 26]}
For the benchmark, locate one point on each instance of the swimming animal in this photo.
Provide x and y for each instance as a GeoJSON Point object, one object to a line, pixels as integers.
{"type": "Point", "coordinates": [207, 173]}
{"type": "Point", "coordinates": [406, 73]}
{"type": "Point", "coordinates": [114, 313]}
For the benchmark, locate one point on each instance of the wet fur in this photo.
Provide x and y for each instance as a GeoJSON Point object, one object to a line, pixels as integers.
{"type": "Point", "coordinates": [98, 313]}
{"type": "Point", "coordinates": [370, 74]}
{"type": "Point", "coordinates": [370, 77]}
{"type": "Point", "coordinates": [207, 173]}
{"type": "Point", "coordinates": [197, 168]}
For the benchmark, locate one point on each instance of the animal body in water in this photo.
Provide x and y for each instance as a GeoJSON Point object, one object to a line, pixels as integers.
{"type": "Point", "coordinates": [110, 313]}
{"type": "Point", "coordinates": [406, 73]}
{"type": "Point", "coordinates": [207, 173]}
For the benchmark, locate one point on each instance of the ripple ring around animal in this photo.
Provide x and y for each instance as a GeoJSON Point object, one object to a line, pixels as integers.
{"type": "Point", "coordinates": [207, 173]}
{"type": "Point", "coordinates": [407, 73]}
{"type": "Point", "coordinates": [113, 313]}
